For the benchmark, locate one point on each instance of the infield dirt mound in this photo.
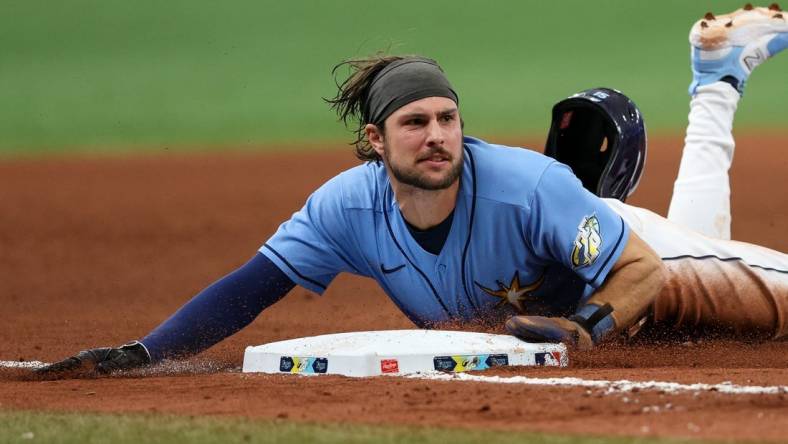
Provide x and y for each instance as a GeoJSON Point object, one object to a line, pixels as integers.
{"type": "Point", "coordinates": [97, 251]}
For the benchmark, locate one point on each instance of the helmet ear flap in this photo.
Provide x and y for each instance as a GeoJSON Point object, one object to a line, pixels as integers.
{"type": "Point", "coordinates": [600, 134]}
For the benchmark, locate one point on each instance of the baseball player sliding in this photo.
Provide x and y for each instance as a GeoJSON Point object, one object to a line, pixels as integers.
{"type": "Point", "coordinates": [457, 229]}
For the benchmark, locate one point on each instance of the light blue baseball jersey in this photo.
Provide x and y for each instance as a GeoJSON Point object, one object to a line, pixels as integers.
{"type": "Point", "coordinates": [525, 237]}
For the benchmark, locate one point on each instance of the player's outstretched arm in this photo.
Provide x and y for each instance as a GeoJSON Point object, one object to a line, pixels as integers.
{"type": "Point", "coordinates": [219, 311]}
{"type": "Point", "coordinates": [625, 297]}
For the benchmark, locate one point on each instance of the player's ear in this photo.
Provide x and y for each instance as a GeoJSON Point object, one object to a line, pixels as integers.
{"type": "Point", "coordinates": [375, 138]}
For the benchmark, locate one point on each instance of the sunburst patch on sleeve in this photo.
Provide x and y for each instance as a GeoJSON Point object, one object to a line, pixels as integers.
{"type": "Point", "coordinates": [587, 243]}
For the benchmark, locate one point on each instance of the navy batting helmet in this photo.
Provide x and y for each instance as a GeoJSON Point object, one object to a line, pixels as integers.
{"type": "Point", "coordinates": [601, 135]}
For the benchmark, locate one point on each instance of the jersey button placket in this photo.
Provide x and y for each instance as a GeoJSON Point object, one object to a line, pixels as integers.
{"type": "Point", "coordinates": [440, 274]}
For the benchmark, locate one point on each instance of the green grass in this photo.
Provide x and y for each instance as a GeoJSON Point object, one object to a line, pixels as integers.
{"type": "Point", "coordinates": [114, 74]}
{"type": "Point", "coordinates": [23, 427]}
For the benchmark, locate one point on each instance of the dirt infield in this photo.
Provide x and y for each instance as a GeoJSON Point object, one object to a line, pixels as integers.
{"type": "Point", "coordinates": [97, 251]}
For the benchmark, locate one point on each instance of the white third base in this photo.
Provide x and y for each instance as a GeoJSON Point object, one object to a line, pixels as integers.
{"type": "Point", "coordinates": [398, 352]}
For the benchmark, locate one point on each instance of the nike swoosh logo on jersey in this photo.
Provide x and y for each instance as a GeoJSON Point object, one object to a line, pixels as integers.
{"type": "Point", "coordinates": [390, 270]}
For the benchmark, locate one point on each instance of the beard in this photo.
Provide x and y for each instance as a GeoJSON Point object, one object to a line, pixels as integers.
{"type": "Point", "coordinates": [417, 179]}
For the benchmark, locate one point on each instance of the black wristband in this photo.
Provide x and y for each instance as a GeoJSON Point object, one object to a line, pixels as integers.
{"type": "Point", "coordinates": [588, 323]}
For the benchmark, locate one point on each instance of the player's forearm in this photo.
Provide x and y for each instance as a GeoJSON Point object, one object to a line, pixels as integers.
{"type": "Point", "coordinates": [220, 310]}
{"type": "Point", "coordinates": [627, 294]}
{"type": "Point", "coordinates": [631, 287]}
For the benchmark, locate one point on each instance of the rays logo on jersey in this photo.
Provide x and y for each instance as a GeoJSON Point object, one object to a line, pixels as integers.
{"type": "Point", "coordinates": [587, 242]}
{"type": "Point", "coordinates": [515, 293]}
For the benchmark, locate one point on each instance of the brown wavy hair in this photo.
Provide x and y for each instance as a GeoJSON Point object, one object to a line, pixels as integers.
{"type": "Point", "coordinates": [351, 96]}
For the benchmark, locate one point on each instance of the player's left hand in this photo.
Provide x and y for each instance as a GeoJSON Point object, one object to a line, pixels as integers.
{"type": "Point", "coordinates": [542, 329]}
{"type": "Point", "coordinates": [101, 360]}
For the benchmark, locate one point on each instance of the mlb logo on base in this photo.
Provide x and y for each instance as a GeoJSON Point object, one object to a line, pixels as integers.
{"type": "Point", "coordinates": [548, 358]}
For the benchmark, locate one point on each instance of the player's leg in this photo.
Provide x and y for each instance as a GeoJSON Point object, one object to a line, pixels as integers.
{"type": "Point", "coordinates": [713, 283]}
{"type": "Point", "coordinates": [725, 50]}
{"type": "Point", "coordinates": [716, 283]}
{"type": "Point", "coordinates": [701, 193]}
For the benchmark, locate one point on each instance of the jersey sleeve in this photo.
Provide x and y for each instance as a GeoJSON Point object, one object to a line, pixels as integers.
{"type": "Point", "coordinates": [219, 311]}
{"type": "Point", "coordinates": [315, 244]}
{"type": "Point", "coordinates": [571, 226]}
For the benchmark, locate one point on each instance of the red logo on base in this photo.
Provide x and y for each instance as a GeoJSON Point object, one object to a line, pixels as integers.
{"type": "Point", "coordinates": [389, 366]}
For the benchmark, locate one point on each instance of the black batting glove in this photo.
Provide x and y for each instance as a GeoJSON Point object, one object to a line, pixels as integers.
{"type": "Point", "coordinates": [542, 329]}
{"type": "Point", "coordinates": [102, 360]}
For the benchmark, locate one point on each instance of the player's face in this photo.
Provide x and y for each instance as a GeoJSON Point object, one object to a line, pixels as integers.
{"type": "Point", "coordinates": [422, 146]}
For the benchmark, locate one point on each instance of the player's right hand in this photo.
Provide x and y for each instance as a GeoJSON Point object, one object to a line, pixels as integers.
{"type": "Point", "coordinates": [102, 360]}
{"type": "Point", "coordinates": [542, 329]}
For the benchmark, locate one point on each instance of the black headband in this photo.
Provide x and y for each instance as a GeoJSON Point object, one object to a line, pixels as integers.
{"type": "Point", "coordinates": [404, 81]}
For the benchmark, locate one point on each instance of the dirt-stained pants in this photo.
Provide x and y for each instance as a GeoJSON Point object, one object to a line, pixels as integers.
{"type": "Point", "coordinates": [713, 281]}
